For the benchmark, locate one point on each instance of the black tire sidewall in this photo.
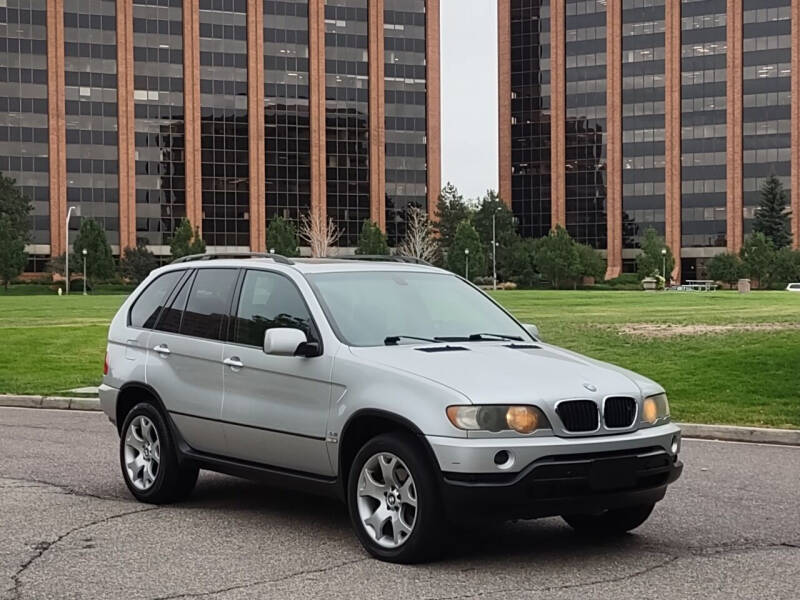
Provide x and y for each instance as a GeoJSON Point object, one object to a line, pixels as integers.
{"type": "Point", "coordinates": [168, 470]}
{"type": "Point", "coordinates": [425, 540]}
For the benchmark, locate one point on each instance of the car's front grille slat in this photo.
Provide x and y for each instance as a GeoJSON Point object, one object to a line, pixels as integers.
{"type": "Point", "coordinates": [578, 416]}
{"type": "Point", "coordinates": [619, 412]}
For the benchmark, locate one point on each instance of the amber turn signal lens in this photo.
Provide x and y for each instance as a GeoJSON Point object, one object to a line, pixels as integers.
{"type": "Point", "coordinates": [650, 411]}
{"type": "Point", "coordinates": [522, 419]}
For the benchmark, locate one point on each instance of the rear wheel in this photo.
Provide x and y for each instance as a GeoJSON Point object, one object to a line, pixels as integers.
{"type": "Point", "coordinates": [393, 500]}
{"type": "Point", "coordinates": [149, 459]}
{"type": "Point", "coordinates": [610, 522]}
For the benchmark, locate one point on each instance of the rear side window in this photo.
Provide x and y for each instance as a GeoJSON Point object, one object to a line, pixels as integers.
{"type": "Point", "coordinates": [209, 303]}
{"type": "Point", "coordinates": [171, 316]}
{"type": "Point", "coordinates": [150, 302]}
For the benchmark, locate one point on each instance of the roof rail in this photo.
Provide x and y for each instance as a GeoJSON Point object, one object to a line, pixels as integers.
{"type": "Point", "coordinates": [278, 258]}
{"type": "Point", "coordinates": [385, 258]}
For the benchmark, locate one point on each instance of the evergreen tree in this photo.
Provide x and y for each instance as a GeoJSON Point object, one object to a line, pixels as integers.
{"type": "Point", "coordinates": [186, 241]}
{"type": "Point", "coordinates": [372, 241]}
{"type": "Point", "coordinates": [650, 262]}
{"type": "Point", "coordinates": [557, 257]}
{"type": "Point", "coordinates": [451, 210]}
{"type": "Point", "coordinates": [772, 218]}
{"type": "Point", "coordinates": [99, 260]}
{"type": "Point", "coordinates": [15, 228]}
{"type": "Point", "coordinates": [136, 263]}
{"type": "Point", "coordinates": [505, 233]}
{"type": "Point", "coordinates": [466, 238]}
{"type": "Point", "coordinates": [282, 237]}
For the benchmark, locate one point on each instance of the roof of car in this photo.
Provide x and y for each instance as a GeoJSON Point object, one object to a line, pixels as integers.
{"type": "Point", "coordinates": [311, 265]}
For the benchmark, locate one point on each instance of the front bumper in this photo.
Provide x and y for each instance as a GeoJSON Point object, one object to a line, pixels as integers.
{"type": "Point", "coordinates": [550, 476]}
{"type": "Point", "coordinates": [567, 484]}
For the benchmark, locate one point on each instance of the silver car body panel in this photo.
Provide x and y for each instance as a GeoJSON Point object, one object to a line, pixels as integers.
{"type": "Point", "coordinates": [291, 412]}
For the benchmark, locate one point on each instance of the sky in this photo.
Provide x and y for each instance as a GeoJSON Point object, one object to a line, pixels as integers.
{"type": "Point", "coordinates": [469, 95]}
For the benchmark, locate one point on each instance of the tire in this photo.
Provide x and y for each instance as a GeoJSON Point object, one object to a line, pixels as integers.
{"type": "Point", "coordinates": [426, 519]}
{"type": "Point", "coordinates": [610, 522]}
{"type": "Point", "coordinates": [155, 475]}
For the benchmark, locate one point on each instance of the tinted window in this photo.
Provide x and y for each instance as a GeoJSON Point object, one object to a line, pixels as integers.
{"type": "Point", "coordinates": [269, 300]}
{"type": "Point", "coordinates": [147, 306]}
{"type": "Point", "coordinates": [209, 302]}
{"type": "Point", "coordinates": [171, 315]}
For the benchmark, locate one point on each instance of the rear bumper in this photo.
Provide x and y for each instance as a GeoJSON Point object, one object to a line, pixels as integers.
{"type": "Point", "coordinates": [565, 484]}
{"type": "Point", "coordinates": [108, 401]}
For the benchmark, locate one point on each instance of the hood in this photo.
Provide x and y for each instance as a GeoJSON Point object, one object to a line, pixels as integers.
{"type": "Point", "coordinates": [505, 373]}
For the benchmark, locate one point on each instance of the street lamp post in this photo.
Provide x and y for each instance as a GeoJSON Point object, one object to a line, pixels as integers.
{"type": "Point", "coordinates": [84, 270]}
{"type": "Point", "coordinates": [466, 267]}
{"type": "Point", "coordinates": [494, 249]}
{"type": "Point", "coordinates": [66, 253]}
{"type": "Point", "coordinates": [664, 264]}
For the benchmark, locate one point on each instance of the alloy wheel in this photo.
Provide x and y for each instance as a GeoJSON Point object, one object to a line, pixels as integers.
{"type": "Point", "coordinates": [387, 500]}
{"type": "Point", "coordinates": [142, 452]}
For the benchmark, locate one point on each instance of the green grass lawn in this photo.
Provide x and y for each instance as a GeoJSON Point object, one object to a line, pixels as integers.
{"type": "Point", "coordinates": [50, 344]}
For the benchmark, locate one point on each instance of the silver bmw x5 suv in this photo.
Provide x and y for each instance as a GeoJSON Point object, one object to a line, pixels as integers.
{"type": "Point", "coordinates": [397, 387]}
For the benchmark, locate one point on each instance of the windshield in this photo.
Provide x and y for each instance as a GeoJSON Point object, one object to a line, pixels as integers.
{"type": "Point", "coordinates": [371, 308]}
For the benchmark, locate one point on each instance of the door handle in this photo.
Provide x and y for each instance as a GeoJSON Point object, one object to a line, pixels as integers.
{"type": "Point", "coordinates": [161, 349]}
{"type": "Point", "coordinates": [234, 362]}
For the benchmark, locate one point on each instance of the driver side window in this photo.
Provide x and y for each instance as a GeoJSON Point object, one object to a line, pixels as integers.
{"type": "Point", "coordinates": [269, 300]}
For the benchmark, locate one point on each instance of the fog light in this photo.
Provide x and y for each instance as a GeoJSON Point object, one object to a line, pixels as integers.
{"type": "Point", "coordinates": [501, 457]}
{"type": "Point", "coordinates": [676, 444]}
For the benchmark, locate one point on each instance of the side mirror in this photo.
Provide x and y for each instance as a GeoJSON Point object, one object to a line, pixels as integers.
{"type": "Point", "coordinates": [284, 341]}
{"type": "Point", "coordinates": [532, 329]}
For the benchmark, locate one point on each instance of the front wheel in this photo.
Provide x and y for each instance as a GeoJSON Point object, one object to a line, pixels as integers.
{"type": "Point", "coordinates": [610, 522]}
{"type": "Point", "coordinates": [393, 500]}
{"type": "Point", "coordinates": [149, 459]}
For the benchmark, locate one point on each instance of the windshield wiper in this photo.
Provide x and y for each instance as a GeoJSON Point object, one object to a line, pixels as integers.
{"type": "Point", "coordinates": [393, 340]}
{"type": "Point", "coordinates": [480, 337]}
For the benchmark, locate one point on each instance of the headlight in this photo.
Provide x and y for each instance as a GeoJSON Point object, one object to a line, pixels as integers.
{"type": "Point", "coordinates": [655, 409]}
{"type": "Point", "coordinates": [522, 419]}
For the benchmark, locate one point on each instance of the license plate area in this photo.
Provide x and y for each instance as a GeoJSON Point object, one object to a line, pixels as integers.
{"type": "Point", "coordinates": [612, 474]}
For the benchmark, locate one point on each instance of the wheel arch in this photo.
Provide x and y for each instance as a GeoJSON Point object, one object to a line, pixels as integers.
{"type": "Point", "coordinates": [365, 424]}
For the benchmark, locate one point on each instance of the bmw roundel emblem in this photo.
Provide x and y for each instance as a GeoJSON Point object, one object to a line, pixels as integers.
{"type": "Point", "coordinates": [590, 387]}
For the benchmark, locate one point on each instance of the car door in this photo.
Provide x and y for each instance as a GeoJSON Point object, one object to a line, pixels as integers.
{"type": "Point", "coordinates": [184, 363]}
{"type": "Point", "coordinates": [275, 408]}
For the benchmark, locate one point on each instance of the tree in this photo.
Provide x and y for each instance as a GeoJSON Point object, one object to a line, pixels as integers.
{"type": "Point", "coordinates": [451, 211]}
{"type": "Point", "coordinates": [15, 229]}
{"type": "Point", "coordinates": [726, 267]}
{"type": "Point", "coordinates": [186, 241]}
{"type": "Point", "coordinates": [758, 256]}
{"type": "Point", "coordinates": [466, 238]}
{"type": "Point", "coordinates": [772, 217]}
{"type": "Point", "coordinates": [136, 263]}
{"type": "Point", "coordinates": [282, 237]}
{"type": "Point", "coordinates": [319, 234]}
{"type": "Point", "coordinates": [557, 257]}
{"type": "Point", "coordinates": [520, 265]}
{"type": "Point", "coordinates": [372, 241]}
{"type": "Point", "coordinates": [591, 263]}
{"type": "Point", "coordinates": [420, 239]}
{"type": "Point", "coordinates": [491, 204]}
{"type": "Point", "coordinates": [786, 266]}
{"type": "Point", "coordinates": [99, 260]}
{"type": "Point", "coordinates": [650, 262]}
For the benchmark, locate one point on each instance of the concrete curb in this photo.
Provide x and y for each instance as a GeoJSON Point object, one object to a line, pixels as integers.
{"type": "Point", "coordinates": [58, 402]}
{"type": "Point", "coordinates": [728, 433]}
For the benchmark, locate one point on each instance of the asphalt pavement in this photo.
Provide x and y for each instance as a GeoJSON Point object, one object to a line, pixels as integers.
{"type": "Point", "coordinates": [729, 528]}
